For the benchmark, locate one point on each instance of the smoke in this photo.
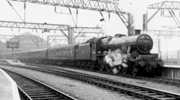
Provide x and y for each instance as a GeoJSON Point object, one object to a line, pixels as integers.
{"type": "Point", "coordinates": [115, 58]}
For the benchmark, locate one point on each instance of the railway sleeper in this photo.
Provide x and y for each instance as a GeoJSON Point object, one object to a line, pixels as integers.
{"type": "Point", "coordinates": [35, 93]}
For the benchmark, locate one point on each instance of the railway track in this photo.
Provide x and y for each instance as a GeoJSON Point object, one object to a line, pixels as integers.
{"type": "Point", "coordinates": [156, 79]}
{"type": "Point", "coordinates": [23, 95]}
{"type": "Point", "coordinates": [140, 92]}
{"type": "Point", "coordinates": [31, 89]}
{"type": "Point", "coordinates": [132, 90]}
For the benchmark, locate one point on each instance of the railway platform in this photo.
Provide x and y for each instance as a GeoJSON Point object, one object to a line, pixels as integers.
{"type": "Point", "coordinates": [8, 87]}
{"type": "Point", "coordinates": [171, 71]}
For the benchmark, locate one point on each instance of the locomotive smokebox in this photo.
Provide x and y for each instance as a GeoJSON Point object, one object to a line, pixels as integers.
{"type": "Point", "coordinates": [142, 42]}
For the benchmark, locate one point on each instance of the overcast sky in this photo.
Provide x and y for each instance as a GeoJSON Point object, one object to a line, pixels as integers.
{"type": "Point", "coordinates": [43, 13]}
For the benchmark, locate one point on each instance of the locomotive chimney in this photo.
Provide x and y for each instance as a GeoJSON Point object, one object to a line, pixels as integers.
{"type": "Point", "coordinates": [137, 31]}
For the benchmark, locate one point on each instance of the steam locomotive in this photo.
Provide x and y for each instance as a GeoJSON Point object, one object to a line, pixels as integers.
{"type": "Point", "coordinates": [113, 54]}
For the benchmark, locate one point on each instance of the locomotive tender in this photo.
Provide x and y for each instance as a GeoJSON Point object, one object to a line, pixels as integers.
{"type": "Point", "coordinates": [117, 54]}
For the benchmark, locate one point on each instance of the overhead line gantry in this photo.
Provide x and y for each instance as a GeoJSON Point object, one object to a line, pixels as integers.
{"type": "Point", "coordinates": [109, 6]}
{"type": "Point", "coordinates": [170, 6]}
{"type": "Point", "coordinates": [65, 29]}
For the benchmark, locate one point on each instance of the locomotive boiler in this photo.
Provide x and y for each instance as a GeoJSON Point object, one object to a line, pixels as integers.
{"type": "Point", "coordinates": [113, 54]}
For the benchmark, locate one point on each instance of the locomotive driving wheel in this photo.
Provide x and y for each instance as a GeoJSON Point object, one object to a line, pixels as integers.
{"type": "Point", "coordinates": [134, 71]}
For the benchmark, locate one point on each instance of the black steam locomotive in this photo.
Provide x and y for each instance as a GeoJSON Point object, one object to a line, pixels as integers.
{"type": "Point", "coordinates": [118, 54]}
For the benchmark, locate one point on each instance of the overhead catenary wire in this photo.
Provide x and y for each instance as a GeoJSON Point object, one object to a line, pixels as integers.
{"type": "Point", "coordinates": [102, 17]}
{"type": "Point", "coordinates": [172, 13]}
{"type": "Point", "coordinates": [25, 6]}
{"type": "Point", "coordinates": [77, 13]}
{"type": "Point", "coordinates": [70, 11]}
{"type": "Point", "coordinates": [11, 5]}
